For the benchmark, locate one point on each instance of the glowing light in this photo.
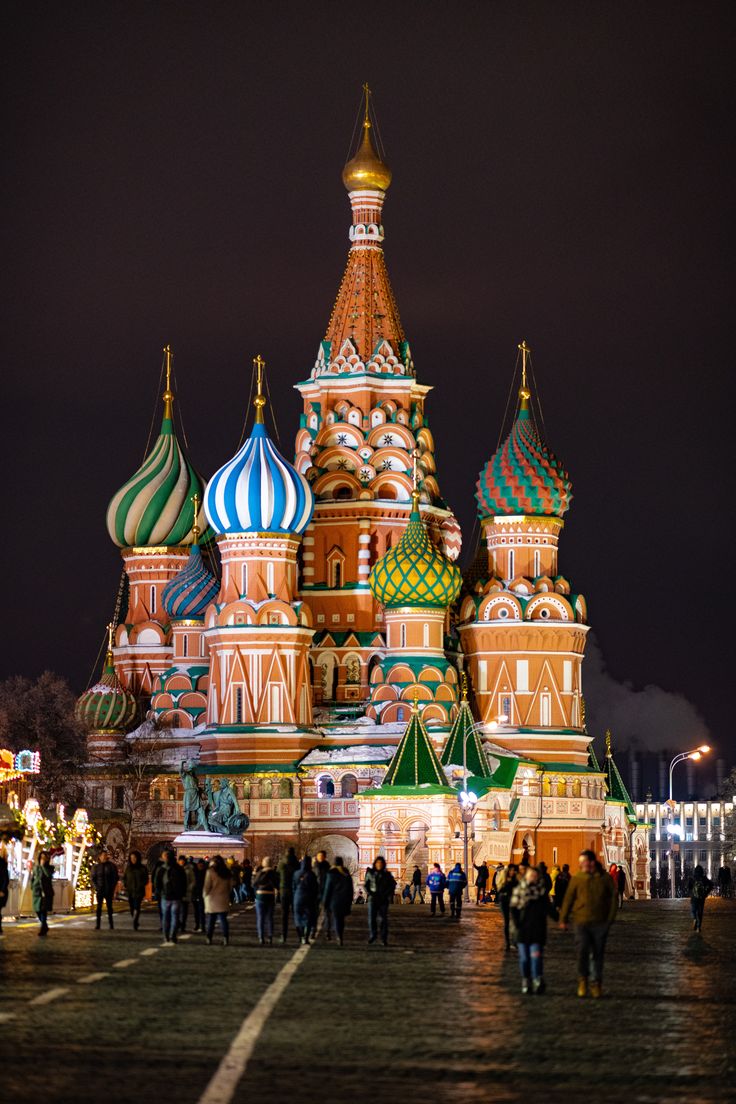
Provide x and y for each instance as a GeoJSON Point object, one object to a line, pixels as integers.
{"type": "Point", "coordinates": [704, 748]}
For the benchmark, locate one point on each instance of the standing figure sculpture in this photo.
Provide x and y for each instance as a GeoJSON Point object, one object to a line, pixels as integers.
{"type": "Point", "coordinates": [194, 814]}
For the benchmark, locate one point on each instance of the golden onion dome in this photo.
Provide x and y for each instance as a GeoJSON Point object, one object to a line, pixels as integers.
{"type": "Point", "coordinates": [366, 169]}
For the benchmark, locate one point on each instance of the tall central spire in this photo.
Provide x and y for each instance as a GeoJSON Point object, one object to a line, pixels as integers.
{"type": "Point", "coordinates": [365, 311]}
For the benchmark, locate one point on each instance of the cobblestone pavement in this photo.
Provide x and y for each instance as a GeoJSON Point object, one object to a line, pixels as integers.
{"type": "Point", "coordinates": [91, 1016]}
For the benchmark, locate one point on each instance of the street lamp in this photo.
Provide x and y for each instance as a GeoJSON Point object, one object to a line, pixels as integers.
{"type": "Point", "coordinates": [696, 754]}
{"type": "Point", "coordinates": [468, 808]}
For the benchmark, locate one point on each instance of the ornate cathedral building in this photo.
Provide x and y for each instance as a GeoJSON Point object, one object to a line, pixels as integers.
{"type": "Point", "coordinates": [297, 629]}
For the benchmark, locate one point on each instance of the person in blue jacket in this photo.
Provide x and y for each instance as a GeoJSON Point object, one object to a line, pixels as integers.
{"type": "Point", "coordinates": [457, 880]}
{"type": "Point", "coordinates": [436, 883]}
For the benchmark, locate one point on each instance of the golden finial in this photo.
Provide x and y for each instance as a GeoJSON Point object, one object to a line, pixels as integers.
{"type": "Point", "coordinates": [609, 753]}
{"type": "Point", "coordinates": [108, 657]}
{"type": "Point", "coordinates": [366, 169]}
{"type": "Point", "coordinates": [415, 480]}
{"type": "Point", "coordinates": [366, 117]}
{"type": "Point", "coordinates": [524, 392]}
{"type": "Point", "coordinates": [259, 401]}
{"type": "Point", "coordinates": [168, 393]}
{"type": "Point", "coordinates": [415, 706]}
{"type": "Point", "coordinates": [195, 526]}
{"type": "Point", "coordinates": [464, 685]}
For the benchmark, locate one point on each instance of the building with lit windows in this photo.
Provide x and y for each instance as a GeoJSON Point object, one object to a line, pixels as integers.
{"type": "Point", "coordinates": [299, 625]}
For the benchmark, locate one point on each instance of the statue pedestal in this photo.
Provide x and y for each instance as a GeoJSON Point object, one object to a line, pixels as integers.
{"type": "Point", "coordinates": [205, 845]}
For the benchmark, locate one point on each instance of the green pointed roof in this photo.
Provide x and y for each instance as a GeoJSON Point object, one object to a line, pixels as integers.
{"type": "Point", "coordinates": [616, 789]}
{"type": "Point", "coordinates": [463, 734]}
{"type": "Point", "coordinates": [415, 761]}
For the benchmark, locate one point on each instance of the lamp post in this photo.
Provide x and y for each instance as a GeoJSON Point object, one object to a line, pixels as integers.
{"type": "Point", "coordinates": [696, 754]}
{"type": "Point", "coordinates": [468, 808]}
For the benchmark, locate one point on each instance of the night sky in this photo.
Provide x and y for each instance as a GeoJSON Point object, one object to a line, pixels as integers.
{"type": "Point", "coordinates": [562, 173]}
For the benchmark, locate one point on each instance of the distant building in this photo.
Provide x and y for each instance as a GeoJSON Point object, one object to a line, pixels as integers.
{"type": "Point", "coordinates": [687, 834]}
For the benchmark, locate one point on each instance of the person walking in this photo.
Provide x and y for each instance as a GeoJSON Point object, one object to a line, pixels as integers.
{"type": "Point", "coordinates": [559, 889]}
{"type": "Point", "coordinates": [724, 881]}
{"type": "Point", "coordinates": [380, 886]}
{"type": "Point", "coordinates": [155, 881]}
{"type": "Point", "coordinates": [699, 890]}
{"type": "Point", "coordinates": [4, 885]}
{"type": "Point", "coordinates": [544, 876]}
{"type": "Point", "coordinates": [217, 893]}
{"type": "Point", "coordinates": [236, 874]}
{"type": "Point", "coordinates": [171, 885]}
{"type": "Point", "coordinates": [42, 890]}
{"type": "Point", "coordinates": [265, 883]}
{"type": "Point", "coordinates": [590, 904]}
{"type": "Point", "coordinates": [482, 875]}
{"type": "Point", "coordinates": [337, 896]}
{"type": "Point", "coordinates": [416, 885]}
{"type": "Point", "coordinates": [530, 905]}
{"type": "Point", "coordinates": [498, 876]}
{"type": "Point", "coordinates": [306, 899]}
{"type": "Point", "coordinates": [436, 883]}
{"type": "Point", "coordinates": [200, 872]}
{"type": "Point", "coordinates": [246, 894]}
{"type": "Point", "coordinates": [135, 880]}
{"type": "Point", "coordinates": [104, 879]}
{"type": "Point", "coordinates": [621, 886]}
{"type": "Point", "coordinates": [457, 880]}
{"type": "Point", "coordinates": [321, 869]}
{"type": "Point", "coordinates": [286, 871]}
{"type": "Point", "coordinates": [186, 900]}
{"type": "Point", "coordinates": [504, 890]}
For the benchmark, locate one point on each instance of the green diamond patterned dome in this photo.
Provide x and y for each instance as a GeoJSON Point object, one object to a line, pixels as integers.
{"type": "Point", "coordinates": [413, 572]}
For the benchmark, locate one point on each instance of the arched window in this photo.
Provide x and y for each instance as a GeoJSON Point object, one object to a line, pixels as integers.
{"type": "Point", "coordinates": [400, 713]}
{"type": "Point", "coordinates": [545, 709]}
{"type": "Point", "coordinates": [348, 785]}
{"type": "Point", "coordinates": [286, 788]}
{"type": "Point", "coordinates": [325, 786]}
{"type": "Point", "coordinates": [336, 574]}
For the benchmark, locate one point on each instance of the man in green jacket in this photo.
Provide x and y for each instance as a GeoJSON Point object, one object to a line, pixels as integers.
{"type": "Point", "coordinates": [590, 903]}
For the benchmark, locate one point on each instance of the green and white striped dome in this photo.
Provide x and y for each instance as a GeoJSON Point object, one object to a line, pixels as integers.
{"type": "Point", "coordinates": [155, 506]}
{"type": "Point", "coordinates": [106, 706]}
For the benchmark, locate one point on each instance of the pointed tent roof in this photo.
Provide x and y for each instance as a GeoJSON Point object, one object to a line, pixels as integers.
{"type": "Point", "coordinates": [463, 735]}
{"type": "Point", "coordinates": [616, 789]}
{"type": "Point", "coordinates": [415, 762]}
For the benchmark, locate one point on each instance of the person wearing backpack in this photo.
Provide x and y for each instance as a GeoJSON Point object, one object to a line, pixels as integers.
{"type": "Point", "coordinates": [171, 887]}
{"type": "Point", "coordinates": [436, 883]}
{"type": "Point", "coordinates": [699, 890]}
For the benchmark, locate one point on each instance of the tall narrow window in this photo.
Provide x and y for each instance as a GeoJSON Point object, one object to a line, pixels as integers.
{"type": "Point", "coordinates": [567, 676]}
{"type": "Point", "coordinates": [511, 563]}
{"type": "Point", "coordinates": [238, 704]}
{"type": "Point", "coordinates": [336, 574]}
{"type": "Point", "coordinates": [426, 635]}
{"type": "Point", "coordinates": [403, 635]}
{"type": "Point", "coordinates": [153, 599]}
{"type": "Point", "coordinates": [522, 676]}
{"type": "Point", "coordinates": [185, 645]}
{"type": "Point", "coordinates": [482, 675]}
{"type": "Point", "coordinates": [269, 576]}
{"type": "Point", "coordinates": [244, 579]}
{"type": "Point", "coordinates": [545, 709]}
{"type": "Point", "coordinates": [537, 567]}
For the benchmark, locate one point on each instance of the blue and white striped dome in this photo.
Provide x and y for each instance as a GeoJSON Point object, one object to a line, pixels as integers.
{"type": "Point", "coordinates": [258, 491]}
{"type": "Point", "coordinates": [188, 594]}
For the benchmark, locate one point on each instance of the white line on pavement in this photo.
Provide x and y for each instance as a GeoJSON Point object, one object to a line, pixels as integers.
{"type": "Point", "coordinates": [123, 963]}
{"type": "Point", "coordinates": [89, 978]}
{"type": "Point", "coordinates": [151, 950]}
{"type": "Point", "coordinates": [50, 995]}
{"type": "Point", "coordinates": [232, 1067]}
{"type": "Point", "coordinates": [185, 936]}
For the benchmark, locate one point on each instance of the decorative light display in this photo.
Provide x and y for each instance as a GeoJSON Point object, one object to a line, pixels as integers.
{"type": "Point", "coordinates": [15, 764]}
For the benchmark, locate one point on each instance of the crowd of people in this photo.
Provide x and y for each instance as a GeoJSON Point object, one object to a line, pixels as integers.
{"type": "Point", "coordinates": [317, 895]}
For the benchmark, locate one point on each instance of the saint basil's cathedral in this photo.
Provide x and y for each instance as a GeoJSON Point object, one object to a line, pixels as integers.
{"type": "Point", "coordinates": [298, 630]}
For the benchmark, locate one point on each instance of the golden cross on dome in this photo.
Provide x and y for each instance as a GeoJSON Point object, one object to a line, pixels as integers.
{"type": "Point", "coordinates": [609, 753]}
{"type": "Point", "coordinates": [195, 526]}
{"type": "Point", "coordinates": [524, 393]}
{"type": "Point", "coordinates": [259, 401]}
{"type": "Point", "coordinates": [367, 93]}
{"type": "Point", "coordinates": [464, 685]}
{"type": "Point", "coordinates": [110, 631]}
{"type": "Point", "coordinates": [415, 707]}
{"type": "Point", "coordinates": [168, 393]}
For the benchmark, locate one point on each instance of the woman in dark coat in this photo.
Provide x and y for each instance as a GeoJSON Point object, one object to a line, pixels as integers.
{"type": "Point", "coordinates": [337, 896]}
{"type": "Point", "coordinates": [42, 889]}
{"type": "Point", "coordinates": [135, 880]}
{"type": "Point", "coordinates": [306, 899]}
{"type": "Point", "coordinates": [530, 906]}
{"type": "Point", "coordinates": [4, 887]}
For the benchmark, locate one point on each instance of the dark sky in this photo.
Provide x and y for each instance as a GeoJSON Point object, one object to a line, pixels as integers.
{"type": "Point", "coordinates": [562, 172]}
